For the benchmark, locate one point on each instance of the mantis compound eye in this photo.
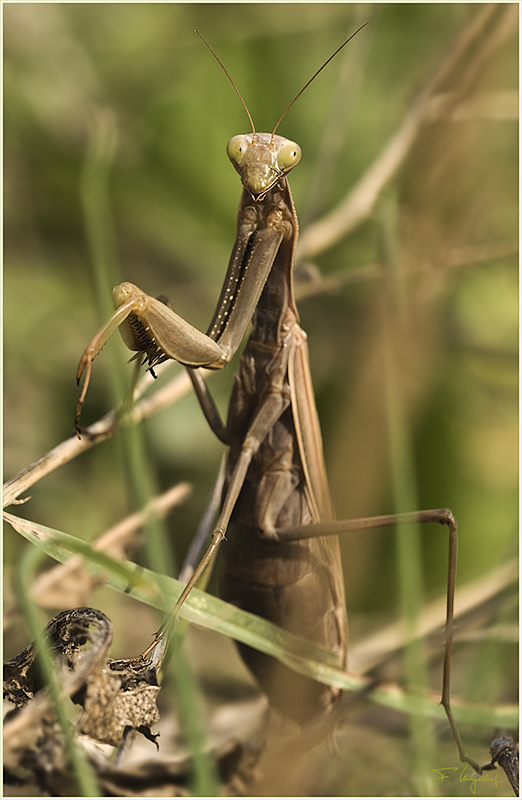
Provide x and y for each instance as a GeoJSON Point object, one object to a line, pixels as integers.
{"type": "Point", "coordinates": [288, 156]}
{"type": "Point", "coordinates": [236, 148]}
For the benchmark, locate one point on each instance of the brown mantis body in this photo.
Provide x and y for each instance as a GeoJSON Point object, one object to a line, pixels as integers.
{"type": "Point", "coordinates": [275, 475]}
{"type": "Point", "coordinates": [297, 584]}
{"type": "Point", "coordinates": [281, 559]}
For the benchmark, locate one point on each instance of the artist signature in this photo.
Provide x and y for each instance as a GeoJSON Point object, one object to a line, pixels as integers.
{"type": "Point", "coordinates": [446, 773]}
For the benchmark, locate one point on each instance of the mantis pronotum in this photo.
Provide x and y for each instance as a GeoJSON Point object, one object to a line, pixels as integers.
{"type": "Point", "coordinates": [282, 558]}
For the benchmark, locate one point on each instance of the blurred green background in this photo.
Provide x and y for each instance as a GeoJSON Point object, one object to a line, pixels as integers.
{"type": "Point", "coordinates": [134, 84]}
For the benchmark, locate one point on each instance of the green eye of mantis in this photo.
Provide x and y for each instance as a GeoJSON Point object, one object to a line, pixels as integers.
{"type": "Point", "coordinates": [236, 148]}
{"type": "Point", "coordinates": [288, 156]}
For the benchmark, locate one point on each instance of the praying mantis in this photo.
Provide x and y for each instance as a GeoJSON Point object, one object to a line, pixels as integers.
{"type": "Point", "coordinates": [281, 558]}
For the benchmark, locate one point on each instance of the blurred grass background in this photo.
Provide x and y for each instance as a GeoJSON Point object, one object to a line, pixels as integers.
{"type": "Point", "coordinates": [136, 77]}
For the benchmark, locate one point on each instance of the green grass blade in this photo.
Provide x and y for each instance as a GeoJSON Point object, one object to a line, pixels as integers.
{"type": "Point", "coordinates": [24, 578]}
{"type": "Point", "coordinates": [202, 609]}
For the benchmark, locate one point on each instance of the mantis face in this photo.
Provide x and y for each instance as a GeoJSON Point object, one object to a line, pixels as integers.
{"type": "Point", "coordinates": [262, 159]}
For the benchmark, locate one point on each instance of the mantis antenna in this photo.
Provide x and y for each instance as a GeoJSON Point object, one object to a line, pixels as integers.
{"type": "Point", "coordinates": [229, 78]}
{"type": "Point", "coordinates": [314, 76]}
{"type": "Point", "coordinates": [307, 84]}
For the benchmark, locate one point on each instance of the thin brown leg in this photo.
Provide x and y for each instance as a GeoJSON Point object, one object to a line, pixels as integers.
{"type": "Point", "coordinates": [444, 517]}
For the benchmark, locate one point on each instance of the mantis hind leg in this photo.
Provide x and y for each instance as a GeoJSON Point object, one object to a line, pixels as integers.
{"type": "Point", "coordinates": [443, 516]}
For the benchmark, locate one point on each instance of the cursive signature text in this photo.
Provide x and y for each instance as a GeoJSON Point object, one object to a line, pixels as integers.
{"type": "Point", "coordinates": [446, 773]}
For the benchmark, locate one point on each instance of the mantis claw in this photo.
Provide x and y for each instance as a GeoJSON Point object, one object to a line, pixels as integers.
{"type": "Point", "coordinates": [84, 366]}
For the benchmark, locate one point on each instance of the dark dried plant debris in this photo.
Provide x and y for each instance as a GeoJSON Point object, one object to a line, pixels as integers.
{"type": "Point", "coordinates": [114, 695]}
{"type": "Point", "coordinates": [67, 634]}
{"type": "Point", "coordinates": [118, 701]}
{"type": "Point", "coordinates": [504, 751]}
{"type": "Point", "coordinates": [122, 696]}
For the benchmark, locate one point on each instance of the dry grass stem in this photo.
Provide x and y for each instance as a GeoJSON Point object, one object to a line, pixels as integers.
{"type": "Point", "coordinates": [360, 200]}
{"type": "Point", "coordinates": [365, 655]}
{"type": "Point", "coordinates": [97, 432]}
{"type": "Point", "coordinates": [70, 585]}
